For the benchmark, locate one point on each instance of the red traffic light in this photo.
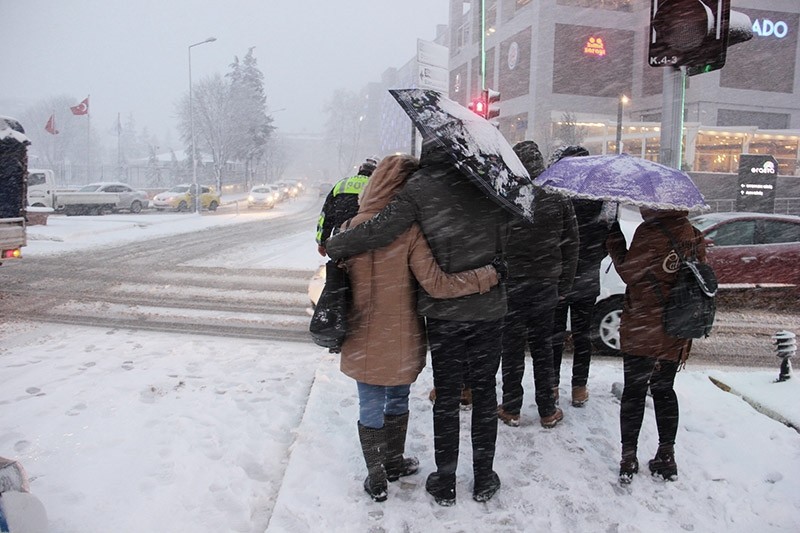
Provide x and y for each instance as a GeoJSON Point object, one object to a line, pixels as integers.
{"type": "Point", "coordinates": [478, 106]}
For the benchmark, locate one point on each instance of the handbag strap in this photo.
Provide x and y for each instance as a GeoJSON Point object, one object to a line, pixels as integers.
{"type": "Point", "coordinates": [674, 243]}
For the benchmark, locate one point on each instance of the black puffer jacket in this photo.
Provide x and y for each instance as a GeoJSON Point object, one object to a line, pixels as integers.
{"type": "Point", "coordinates": [548, 248]}
{"type": "Point", "coordinates": [464, 227]}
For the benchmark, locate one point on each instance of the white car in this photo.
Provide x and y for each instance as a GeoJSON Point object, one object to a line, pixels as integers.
{"type": "Point", "coordinates": [608, 307]}
{"type": "Point", "coordinates": [262, 196]}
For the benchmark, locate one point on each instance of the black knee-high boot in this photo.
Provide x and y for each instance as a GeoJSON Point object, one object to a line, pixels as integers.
{"type": "Point", "coordinates": [397, 466]}
{"type": "Point", "coordinates": [373, 446]}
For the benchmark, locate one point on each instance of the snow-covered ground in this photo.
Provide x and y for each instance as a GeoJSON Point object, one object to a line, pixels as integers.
{"type": "Point", "coordinates": [128, 431]}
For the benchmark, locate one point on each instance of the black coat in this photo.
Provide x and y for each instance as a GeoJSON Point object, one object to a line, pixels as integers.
{"type": "Point", "coordinates": [465, 230]}
{"type": "Point", "coordinates": [547, 248]}
{"type": "Point", "coordinates": [592, 232]}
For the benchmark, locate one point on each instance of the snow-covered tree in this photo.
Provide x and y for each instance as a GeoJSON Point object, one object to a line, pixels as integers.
{"type": "Point", "coordinates": [249, 106]}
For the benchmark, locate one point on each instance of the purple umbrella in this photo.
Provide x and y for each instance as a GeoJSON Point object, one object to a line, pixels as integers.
{"type": "Point", "coordinates": [624, 179]}
{"type": "Point", "coordinates": [476, 147]}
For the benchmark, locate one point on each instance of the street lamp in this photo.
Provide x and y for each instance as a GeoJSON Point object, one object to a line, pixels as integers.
{"type": "Point", "coordinates": [191, 123]}
{"type": "Point", "coordinates": [622, 100]}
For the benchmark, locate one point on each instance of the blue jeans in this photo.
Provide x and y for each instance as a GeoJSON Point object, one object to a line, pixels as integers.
{"type": "Point", "coordinates": [378, 400]}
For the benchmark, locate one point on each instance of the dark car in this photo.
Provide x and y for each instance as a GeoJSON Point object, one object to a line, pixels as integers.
{"type": "Point", "coordinates": [752, 248]}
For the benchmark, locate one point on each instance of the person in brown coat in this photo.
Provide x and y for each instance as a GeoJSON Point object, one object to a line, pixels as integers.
{"type": "Point", "coordinates": [651, 358]}
{"type": "Point", "coordinates": [385, 347]}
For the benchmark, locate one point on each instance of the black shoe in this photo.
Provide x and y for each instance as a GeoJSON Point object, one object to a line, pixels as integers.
{"type": "Point", "coordinates": [406, 467]}
{"type": "Point", "coordinates": [627, 468]}
{"type": "Point", "coordinates": [663, 465]}
{"type": "Point", "coordinates": [442, 488]}
{"type": "Point", "coordinates": [486, 488]}
{"type": "Point", "coordinates": [376, 489]}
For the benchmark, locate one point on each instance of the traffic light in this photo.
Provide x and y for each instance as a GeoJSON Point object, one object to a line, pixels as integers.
{"type": "Point", "coordinates": [479, 105]}
{"type": "Point", "coordinates": [492, 99]}
{"type": "Point", "coordinates": [691, 33]}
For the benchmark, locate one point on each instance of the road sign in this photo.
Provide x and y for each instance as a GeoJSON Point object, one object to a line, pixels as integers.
{"type": "Point", "coordinates": [758, 175]}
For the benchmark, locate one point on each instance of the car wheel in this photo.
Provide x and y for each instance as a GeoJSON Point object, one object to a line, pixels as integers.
{"type": "Point", "coordinates": [605, 325]}
{"type": "Point", "coordinates": [213, 206]}
{"type": "Point", "coordinates": [183, 206]}
{"type": "Point", "coordinates": [136, 207]}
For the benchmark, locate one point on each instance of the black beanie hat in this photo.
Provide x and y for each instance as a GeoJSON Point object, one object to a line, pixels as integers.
{"type": "Point", "coordinates": [528, 152]}
{"type": "Point", "coordinates": [567, 151]}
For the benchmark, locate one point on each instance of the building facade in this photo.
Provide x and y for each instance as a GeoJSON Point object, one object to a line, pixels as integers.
{"type": "Point", "coordinates": [562, 67]}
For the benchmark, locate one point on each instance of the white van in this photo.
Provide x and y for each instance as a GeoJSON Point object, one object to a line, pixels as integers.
{"type": "Point", "coordinates": [41, 187]}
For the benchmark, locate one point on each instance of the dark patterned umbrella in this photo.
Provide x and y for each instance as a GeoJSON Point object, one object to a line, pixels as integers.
{"type": "Point", "coordinates": [477, 147]}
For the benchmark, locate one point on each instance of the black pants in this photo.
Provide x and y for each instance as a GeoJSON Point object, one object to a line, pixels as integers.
{"type": "Point", "coordinates": [454, 345]}
{"type": "Point", "coordinates": [580, 307]}
{"type": "Point", "coordinates": [529, 322]}
{"type": "Point", "coordinates": [641, 373]}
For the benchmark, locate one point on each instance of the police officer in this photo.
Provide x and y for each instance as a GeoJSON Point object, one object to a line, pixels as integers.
{"type": "Point", "coordinates": [341, 204]}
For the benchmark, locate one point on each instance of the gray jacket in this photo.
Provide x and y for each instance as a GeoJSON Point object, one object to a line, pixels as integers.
{"type": "Point", "coordinates": [464, 228]}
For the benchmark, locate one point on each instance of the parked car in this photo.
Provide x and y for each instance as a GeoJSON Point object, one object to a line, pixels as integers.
{"type": "Point", "coordinates": [744, 249]}
{"type": "Point", "coordinates": [180, 198]}
{"type": "Point", "coordinates": [101, 197]}
{"type": "Point", "coordinates": [262, 196]}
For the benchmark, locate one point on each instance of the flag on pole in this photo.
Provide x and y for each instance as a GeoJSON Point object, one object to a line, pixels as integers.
{"type": "Point", "coordinates": [119, 125]}
{"type": "Point", "coordinates": [82, 108]}
{"type": "Point", "coordinates": [50, 127]}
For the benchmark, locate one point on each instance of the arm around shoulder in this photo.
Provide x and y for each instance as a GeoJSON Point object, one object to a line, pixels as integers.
{"type": "Point", "coordinates": [377, 232]}
{"type": "Point", "coordinates": [440, 284]}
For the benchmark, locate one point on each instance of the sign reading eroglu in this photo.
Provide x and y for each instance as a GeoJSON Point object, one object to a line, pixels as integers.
{"type": "Point", "coordinates": [758, 175]}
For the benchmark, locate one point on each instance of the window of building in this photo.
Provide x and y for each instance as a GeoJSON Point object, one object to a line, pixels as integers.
{"type": "Point", "coordinates": [510, 8]}
{"type": "Point", "coordinates": [514, 128]}
{"type": "Point", "coordinates": [491, 19]}
{"type": "Point", "coordinates": [615, 5]}
{"type": "Point", "coordinates": [460, 23]}
{"type": "Point", "coordinates": [718, 152]}
{"type": "Point", "coordinates": [782, 147]}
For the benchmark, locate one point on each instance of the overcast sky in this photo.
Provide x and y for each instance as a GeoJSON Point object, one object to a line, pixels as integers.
{"type": "Point", "coordinates": [131, 56]}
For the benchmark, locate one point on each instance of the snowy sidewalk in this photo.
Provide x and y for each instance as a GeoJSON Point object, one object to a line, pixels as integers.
{"type": "Point", "coordinates": [737, 466]}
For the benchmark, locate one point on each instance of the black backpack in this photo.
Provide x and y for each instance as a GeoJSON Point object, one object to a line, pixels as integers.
{"type": "Point", "coordinates": [690, 306]}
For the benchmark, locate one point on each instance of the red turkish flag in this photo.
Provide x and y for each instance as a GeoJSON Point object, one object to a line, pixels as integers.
{"type": "Point", "coordinates": [82, 108]}
{"type": "Point", "coordinates": [50, 127]}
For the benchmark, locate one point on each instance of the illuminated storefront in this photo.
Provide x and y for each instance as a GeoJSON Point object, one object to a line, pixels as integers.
{"type": "Point", "coordinates": [706, 149]}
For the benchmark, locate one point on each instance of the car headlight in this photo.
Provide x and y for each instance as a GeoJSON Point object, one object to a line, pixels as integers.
{"type": "Point", "coordinates": [251, 199]}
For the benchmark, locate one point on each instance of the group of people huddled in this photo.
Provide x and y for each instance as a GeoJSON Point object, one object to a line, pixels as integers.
{"type": "Point", "coordinates": [435, 264]}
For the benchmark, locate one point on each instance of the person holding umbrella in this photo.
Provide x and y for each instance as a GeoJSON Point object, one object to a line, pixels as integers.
{"type": "Point", "coordinates": [385, 347]}
{"type": "Point", "coordinates": [651, 358]}
{"type": "Point", "coordinates": [541, 257]}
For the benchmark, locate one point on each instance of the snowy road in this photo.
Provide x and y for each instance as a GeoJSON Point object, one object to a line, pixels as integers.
{"type": "Point", "coordinates": [163, 284]}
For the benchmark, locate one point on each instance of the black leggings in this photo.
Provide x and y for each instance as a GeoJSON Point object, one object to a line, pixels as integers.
{"type": "Point", "coordinates": [641, 373]}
